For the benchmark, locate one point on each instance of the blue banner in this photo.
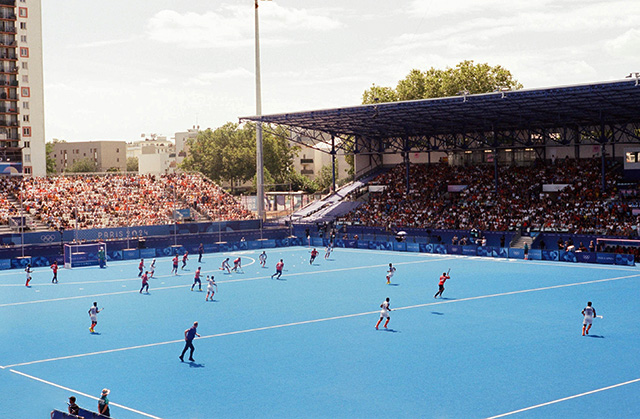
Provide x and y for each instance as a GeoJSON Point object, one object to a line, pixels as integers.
{"type": "Point", "coordinates": [550, 255]}
{"type": "Point", "coordinates": [147, 253]}
{"type": "Point", "coordinates": [130, 254]}
{"type": "Point", "coordinates": [21, 262]}
{"type": "Point", "coordinates": [254, 245]}
{"type": "Point", "coordinates": [625, 260]}
{"type": "Point", "coordinates": [267, 243]}
{"type": "Point", "coordinates": [469, 250]}
{"type": "Point", "coordinates": [567, 256]}
{"type": "Point", "coordinates": [413, 247]}
{"type": "Point", "coordinates": [5, 263]}
{"type": "Point", "coordinates": [400, 246]}
{"type": "Point", "coordinates": [362, 244]}
{"type": "Point", "coordinates": [115, 255]}
{"type": "Point", "coordinates": [586, 257]}
{"type": "Point", "coordinates": [516, 253]}
{"type": "Point", "coordinates": [317, 242]}
{"type": "Point", "coordinates": [607, 258]}
{"type": "Point", "coordinates": [454, 249]}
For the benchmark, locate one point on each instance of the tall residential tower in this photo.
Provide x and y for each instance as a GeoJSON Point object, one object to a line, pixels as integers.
{"type": "Point", "coordinates": [22, 140]}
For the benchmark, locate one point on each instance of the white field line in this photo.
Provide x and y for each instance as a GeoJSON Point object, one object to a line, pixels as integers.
{"type": "Point", "coordinates": [82, 394]}
{"type": "Point", "coordinates": [324, 320]}
{"type": "Point", "coordinates": [575, 396]}
{"type": "Point", "coordinates": [187, 285]}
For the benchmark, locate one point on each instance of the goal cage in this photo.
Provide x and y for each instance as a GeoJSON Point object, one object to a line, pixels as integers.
{"type": "Point", "coordinates": [84, 254]}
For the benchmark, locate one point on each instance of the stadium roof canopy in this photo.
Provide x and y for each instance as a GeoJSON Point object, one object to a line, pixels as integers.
{"type": "Point", "coordinates": [606, 112]}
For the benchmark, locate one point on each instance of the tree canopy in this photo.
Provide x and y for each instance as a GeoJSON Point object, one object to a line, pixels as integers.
{"type": "Point", "coordinates": [86, 165]}
{"type": "Point", "coordinates": [432, 83]}
{"type": "Point", "coordinates": [228, 153]}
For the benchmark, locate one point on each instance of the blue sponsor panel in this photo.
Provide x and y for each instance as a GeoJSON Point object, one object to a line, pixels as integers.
{"type": "Point", "coordinates": [606, 258]}
{"type": "Point", "coordinates": [210, 248]}
{"type": "Point", "coordinates": [454, 249]}
{"type": "Point", "coordinates": [489, 251]}
{"type": "Point", "coordinates": [503, 252]}
{"type": "Point", "coordinates": [130, 254]}
{"type": "Point", "coordinates": [362, 244]}
{"type": "Point", "coordinates": [147, 253]}
{"type": "Point", "coordinates": [586, 257]}
{"type": "Point", "coordinates": [40, 261]}
{"type": "Point", "coordinates": [351, 244]}
{"type": "Point", "coordinates": [400, 246]}
{"type": "Point", "coordinates": [115, 255]}
{"type": "Point", "coordinates": [5, 263]}
{"type": "Point", "coordinates": [469, 250]}
{"type": "Point", "coordinates": [267, 243]}
{"type": "Point", "coordinates": [20, 262]}
{"type": "Point", "coordinates": [426, 248]}
{"type": "Point", "coordinates": [627, 260]}
{"type": "Point", "coordinates": [317, 241]}
{"type": "Point", "coordinates": [535, 254]}
{"type": "Point", "coordinates": [413, 247]}
{"type": "Point", "coordinates": [254, 245]}
{"type": "Point", "coordinates": [223, 246]}
{"type": "Point", "coordinates": [380, 245]}
{"type": "Point", "coordinates": [516, 253]}
{"type": "Point", "coordinates": [440, 249]}
{"type": "Point", "coordinates": [567, 256]}
{"type": "Point", "coordinates": [550, 255]}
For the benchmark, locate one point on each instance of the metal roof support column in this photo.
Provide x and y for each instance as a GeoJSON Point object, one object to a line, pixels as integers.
{"type": "Point", "coordinates": [333, 163]}
{"type": "Point", "coordinates": [495, 157]}
{"type": "Point", "coordinates": [603, 140]}
{"type": "Point", "coordinates": [576, 141]}
{"type": "Point", "coordinates": [407, 163]}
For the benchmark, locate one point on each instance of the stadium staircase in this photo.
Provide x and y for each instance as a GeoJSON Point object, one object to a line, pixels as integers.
{"type": "Point", "coordinates": [519, 241]}
{"type": "Point", "coordinates": [334, 205]}
{"type": "Point", "coordinates": [31, 223]}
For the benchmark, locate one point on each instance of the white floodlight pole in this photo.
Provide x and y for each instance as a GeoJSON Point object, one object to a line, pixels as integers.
{"type": "Point", "coordinates": [259, 160]}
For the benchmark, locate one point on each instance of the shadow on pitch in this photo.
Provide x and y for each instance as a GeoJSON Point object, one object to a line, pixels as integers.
{"type": "Point", "coordinates": [394, 285]}
{"type": "Point", "coordinates": [596, 336]}
{"type": "Point", "coordinates": [389, 330]}
{"type": "Point", "coordinates": [437, 313]}
{"type": "Point", "coordinates": [193, 364]}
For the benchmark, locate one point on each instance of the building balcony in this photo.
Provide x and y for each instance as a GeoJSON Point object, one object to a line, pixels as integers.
{"type": "Point", "coordinates": [8, 57]}
{"type": "Point", "coordinates": [8, 110]}
{"type": "Point", "coordinates": [8, 29]}
{"type": "Point", "coordinates": [306, 161]}
{"type": "Point", "coordinates": [8, 70]}
{"type": "Point", "coordinates": [10, 97]}
{"type": "Point", "coordinates": [8, 16]}
{"type": "Point", "coordinates": [306, 171]}
{"type": "Point", "coordinates": [8, 3]}
{"type": "Point", "coordinates": [8, 43]}
{"type": "Point", "coordinates": [8, 124]}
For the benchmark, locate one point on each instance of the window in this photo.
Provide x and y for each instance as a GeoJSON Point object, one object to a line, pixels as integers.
{"type": "Point", "coordinates": [23, 12]}
{"type": "Point", "coordinates": [26, 92]}
{"type": "Point", "coordinates": [24, 52]}
{"type": "Point", "coordinates": [25, 78]}
{"type": "Point", "coordinates": [23, 25]}
{"type": "Point", "coordinates": [27, 158]}
{"type": "Point", "coordinates": [25, 65]}
{"type": "Point", "coordinates": [25, 105]}
{"type": "Point", "coordinates": [23, 39]}
{"type": "Point", "coordinates": [26, 131]}
{"type": "Point", "coordinates": [25, 118]}
{"type": "Point", "coordinates": [27, 170]}
{"type": "Point", "coordinates": [27, 144]}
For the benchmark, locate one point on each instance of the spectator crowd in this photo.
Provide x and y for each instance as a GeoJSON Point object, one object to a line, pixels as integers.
{"type": "Point", "coordinates": [65, 202]}
{"type": "Point", "coordinates": [580, 207]}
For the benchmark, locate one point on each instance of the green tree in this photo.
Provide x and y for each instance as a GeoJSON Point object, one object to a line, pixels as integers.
{"type": "Point", "coordinates": [83, 166]}
{"type": "Point", "coordinates": [132, 164]}
{"type": "Point", "coordinates": [466, 76]}
{"type": "Point", "coordinates": [325, 178]}
{"type": "Point", "coordinates": [51, 162]}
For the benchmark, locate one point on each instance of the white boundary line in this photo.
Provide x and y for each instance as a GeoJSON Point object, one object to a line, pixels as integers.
{"type": "Point", "coordinates": [480, 297]}
{"type": "Point", "coordinates": [222, 281]}
{"type": "Point", "coordinates": [82, 394]}
{"type": "Point", "coordinates": [575, 396]}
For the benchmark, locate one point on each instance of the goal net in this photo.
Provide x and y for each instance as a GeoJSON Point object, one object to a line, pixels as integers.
{"type": "Point", "coordinates": [84, 254]}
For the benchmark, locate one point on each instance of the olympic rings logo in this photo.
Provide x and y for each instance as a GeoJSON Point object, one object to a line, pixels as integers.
{"type": "Point", "coordinates": [47, 238]}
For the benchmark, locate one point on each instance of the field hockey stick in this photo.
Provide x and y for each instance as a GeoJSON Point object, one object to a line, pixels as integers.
{"type": "Point", "coordinates": [448, 271]}
{"type": "Point", "coordinates": [600, 317]}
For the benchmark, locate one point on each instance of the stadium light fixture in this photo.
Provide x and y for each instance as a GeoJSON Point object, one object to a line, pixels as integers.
{"type": "Point", "coordinates": [502, 90]}
{"type": "Point", "coordinates": [464, 94]}
{"type": "Point", "coordinates": [635, 75]}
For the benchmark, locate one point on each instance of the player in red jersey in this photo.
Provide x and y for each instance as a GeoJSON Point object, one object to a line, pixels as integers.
{"type": "Point", "coordinates": [54, 268]}
{"type": "Point", "coordinates": [279, 267]}
{"type": "Point", "coordinates": [174, 270]}
{"type": "Point", "coordinates": [314, 253]}
{"type": "Point", "coordinates": [141, 267]}
{"type": "Point", "coordinates": [196, 280]}
{"type": "Point", "coordinates": [236, 264]}
{"type": "Point", "coordinates": [185, 258]}
{"type": "Point", "coordinates": [145, 282]}
{"type": "Point", "coordinates": [443, 279]}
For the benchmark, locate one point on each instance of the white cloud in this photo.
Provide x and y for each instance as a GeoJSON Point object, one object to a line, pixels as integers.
{"type": "Point", "coordinates": [205, 79]}
{"type": "Point", "coordinates": [626, 45]}
{"type": "Point", "coordinates": [231, 26]}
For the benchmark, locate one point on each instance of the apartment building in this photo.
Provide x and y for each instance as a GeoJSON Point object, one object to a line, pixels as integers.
{"type": "Point", "coordinates": [107, 155]}
{"type": "Point", "coordinates": [22, 139]}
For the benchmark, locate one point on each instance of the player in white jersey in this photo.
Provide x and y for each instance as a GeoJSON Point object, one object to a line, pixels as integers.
{"type": "Point", "coordinates": [589, 313]}
{"type": "Point", "coordinates": [93, 315]}
{"type": "Point", "coordinates": [226, 266]}
{"type": "Point", "coordinates": [28, 271]}
{"type": "Point", "coordinates": [263, 259]}
{"type": "Point", "coordinates": [211, 283]}
{"type": "Point", "coordinates": [390, 273]}
{"type": "Point", "coordinates": [152, 268]}
{"type": "Point", "coordinates": [384, 313]}
{"type": "Point", "coordinates": [327, 251]}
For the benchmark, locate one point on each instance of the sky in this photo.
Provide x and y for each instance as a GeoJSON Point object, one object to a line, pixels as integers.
{"type": "Point", "coordinates": [121, 69]}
